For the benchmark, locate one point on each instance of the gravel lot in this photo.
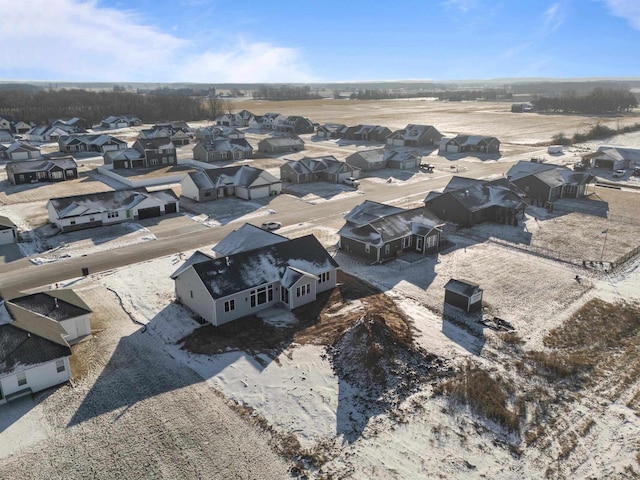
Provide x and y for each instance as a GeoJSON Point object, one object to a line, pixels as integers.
{"type": "Point", "coordinates": [136, 414]}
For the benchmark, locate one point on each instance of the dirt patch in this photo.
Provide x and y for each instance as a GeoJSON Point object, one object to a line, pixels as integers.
{"type": "Point", "coordinates": [322, 322]}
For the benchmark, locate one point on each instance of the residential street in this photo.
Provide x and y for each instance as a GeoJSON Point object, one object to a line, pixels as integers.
{"type": "Point", "coordinates": [175, 236]}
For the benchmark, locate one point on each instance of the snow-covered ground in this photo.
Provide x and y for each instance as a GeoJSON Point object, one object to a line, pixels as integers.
{"type": "Point", "coordinates": [299, 393]}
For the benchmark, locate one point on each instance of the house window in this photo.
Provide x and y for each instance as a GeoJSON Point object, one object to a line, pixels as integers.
{"type": "Point", "coordinates": [432, 241]}
{"type": "Point", "coordinates": [21, 177]}
{"type": "Point", "coordinates": [60, 365]}
{"type": "Point", "coordinates": [261, 295]}
{"type": "Point", "coordinates": [284, 295]}
{"type": "Point", "coordinates": [229, 305]}
{"type": "Point", "coordinates": [92, 219]}
{"type": "Point", "coordinates": [303, 290]}
{"type": "Point", "coordinates": [406, 242]}
{"type": "Point", "coordinates": [70, 173]}
{"type": "Point", "coordinates": [153, 161]}
{"type": "Point", "coordinates": [72, 222]}
{"type": "Point", "coordinates": [387, 249]}
{"type": "Point", "coordinates": [207, 194]}
{"type": "Point", "coordinates": [113, 214]}
{"type": "Point", "coordinates": [22, 378]}
{"type": "Point", "coordinates": [324, 277]}
{"type": "Point", "coordinates": [57, 175]}
{"type": "Point", "coordinates": [367, 248]}
{"type": "Point", "coordinates": [191, 293]}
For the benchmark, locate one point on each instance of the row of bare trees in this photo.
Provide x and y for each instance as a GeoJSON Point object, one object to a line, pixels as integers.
{"type": "Point", "coordinates": [600, 100]}
{"type": "Point", "coordinates": [44, 105]}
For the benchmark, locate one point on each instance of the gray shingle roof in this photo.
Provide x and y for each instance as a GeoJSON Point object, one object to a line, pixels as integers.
{"type": "Point", "coordinates": [248, 269]}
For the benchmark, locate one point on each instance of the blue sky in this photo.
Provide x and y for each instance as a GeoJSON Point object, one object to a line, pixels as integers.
{"type": "Point", "coordinates": [317, 40]}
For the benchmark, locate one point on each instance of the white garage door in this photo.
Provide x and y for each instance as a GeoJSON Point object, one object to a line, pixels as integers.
{"type": "Point", "coordinates": [259, 192]}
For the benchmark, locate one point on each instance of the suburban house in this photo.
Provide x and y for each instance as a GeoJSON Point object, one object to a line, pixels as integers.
{"type": "Point", "coordinates": [6, 123]}
{"type": "Point", "coordinates": [294, 125]}
{"type": "Point", "coordinates": [283, 144]}
{"type": "Point", "coordinates": [247, 237]}
{"type": "Point", "coordinates": [156, 152]}
{"type": "Point", "coordinates": [270, 120]}
{"type": "Point", "coordinates": [317, 169]}
{"type": "Point", "coordinates": [222, 149]}
{"type": "Point", "coordinates": [90, 143]}
{"type": "Point", "coordinates": [239, 181]}
{"type": "Point", "coordinates": [33, 353]}
{"type": "Point", "coordinates": [241, 119]}
{"type": "Point", "coordinates": [467, 202]}
{"type": "Point", "coordinates": [8, 231]}
{"type": "Point", "coordinates": [330, 130]}
{"type": "Point", "coordinates": [380, 232]}
{"type": "Point", "coordinates": [61, 305]}
{"type": "Point", "coordinates": [21, 127]}
{"type": "Point", "coordinates": [6, 136]}
{"type": "Point", "coordinates": [107, 208]}
{"type": "Point", "coordinates": [21, 151]}
{"type": "Point", "coordinates": [415, 136]}
{"type": "Point", "coordinates": [542, 183]}
{"type": "Point", "coordinates": [55, 129]}
{"type": "Point", "coordinates": [177, 132]}
{"type": "Point", "coordinates": [55, 169]}
{"type": "Point", "coordinates": [463, 294]}
{"type": "Point", "coordinates": [613, 158]}
{"type": "Point", "coordinates": [121, 121]}
{"type": "Point", "coordinates": [289, 273]}
{"type": "Point", "coordinates": [127, 158]}
{"type": "Point", "coordinates": [379, 158]}
{"type": "Point", "coordinates": [212, 132]}
{"type": "Point", "coordinates": [366, 133]}
{"type": "Point", "coordinates": [469, 144]}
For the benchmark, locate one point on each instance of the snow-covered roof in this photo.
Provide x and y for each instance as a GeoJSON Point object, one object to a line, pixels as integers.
{"type": "Point", "coordinates": [475, 194]}
{"type": "Point", "coordinates": [247, 237]}
{"type": "Point", "coordinates": [620, 153]}
{"type": "Point", "coordinates": [228, 275]}
{"type": "Point", "coordinates": [237, 176]}
{"type": "Point", "coordinates": [26, 166]}
{"type": "Point", "coordinates": [126, 154]}
{"type": "Point", "coordinates": [413, 132]}
{"type": "Point", "coordinates": [94, 203]}
{"type": "Point", "coordinates": [21, 146]}
{"type": "Point", "coordinates": [378, 224]}
{"type": "Point", "coordinates": [462, 287]}
{"type": "Point", "coordinates": [283, 141]}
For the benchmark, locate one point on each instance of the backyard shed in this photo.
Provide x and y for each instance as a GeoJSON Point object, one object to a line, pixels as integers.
{"type": "Point", "coordinates": [463, 294]}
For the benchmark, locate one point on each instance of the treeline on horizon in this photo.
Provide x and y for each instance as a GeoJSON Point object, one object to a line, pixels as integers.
{"type": "Point", "coordinates": [444, 95]}
{"type": "Point", "coordinates": [600, 100]}
{"type": "Point", "coordinates": [284, 92]}
{"type": "Point", "coordinates": [43, 105]}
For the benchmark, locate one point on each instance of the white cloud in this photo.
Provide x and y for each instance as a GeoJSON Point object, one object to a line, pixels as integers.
{"type": "Point", "coordinates": [77, 40]}
{"type": "Point", "coordinates": [462, 5]}
{"type": "Point", "coordinates": [627, 9]}
{"type": "Point", "coordinates": [553, 17]}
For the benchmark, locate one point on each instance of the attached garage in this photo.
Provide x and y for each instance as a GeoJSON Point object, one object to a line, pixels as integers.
{"type": "Point", "coordinates": [149, 212]}
{"type": "Point", "coordinates": [259, 192]}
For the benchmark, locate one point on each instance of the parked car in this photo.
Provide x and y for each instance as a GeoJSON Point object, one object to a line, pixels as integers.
{"type": "Point", "coordinates": [354, 182]}
{"type": "Point", "coordinates": [619, 173]}
{"type": "Point", "coordinates": [427, 166]}
{"type": "Point", "coordinates": [271, 226]}
{"type": "Point", "coordinates": [636, 172]}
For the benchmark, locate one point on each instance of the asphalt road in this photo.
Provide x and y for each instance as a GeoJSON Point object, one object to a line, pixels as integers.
{"type": "Point", "coordinates": [23, 275]}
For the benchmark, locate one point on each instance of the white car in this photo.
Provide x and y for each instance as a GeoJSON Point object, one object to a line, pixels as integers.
{"type": "Point", "coordinates": [271, 226]}
{"type": "Point", "coordinates": [354, 182]}
{"type": "Point", "coordinates": [619, 173]}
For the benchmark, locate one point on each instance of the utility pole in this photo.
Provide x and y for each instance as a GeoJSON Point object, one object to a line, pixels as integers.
{"type": "Point", "coordinates": [606, 232]}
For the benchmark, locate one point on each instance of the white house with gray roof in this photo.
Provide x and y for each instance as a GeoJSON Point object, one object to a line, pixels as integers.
{"type": "Point", "coordinates": [290, 273]}
{"type": "Point", "coordinates": [34, 354]}
{"type": "Point", "coordinates": [106, 208]}
{"type": "Point", "coordinates": [283, 144]}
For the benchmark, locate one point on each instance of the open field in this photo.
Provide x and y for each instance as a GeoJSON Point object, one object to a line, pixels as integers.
{"type": "Point", "coordinates": [482, 118]}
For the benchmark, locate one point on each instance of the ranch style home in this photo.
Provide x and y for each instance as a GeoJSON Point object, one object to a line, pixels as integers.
{"type": "Point", "coordinates": [240, 181]}
{"type": "Point", "coordinates": [90, 143]}
{"type": "Point", "coordinates": [106, 208]}
{"type": "Point", "coordinates": [377, 159]}
{"type": "Point", "coordinates": [317, 169]}
{"type": "Point", "coordinates": [281, 144]}
{"type": "Point", "coordinates": [467, 202]}
{"type": "Point", "coordinates": [289, 273]}
{"type": "Point", "coordinates": [221, 148]}
{"type": "Point", "coordinates": [50, 170]}
{"type": "Point", "coordinates": [380, 232]}
{"type": "Point", "coordinates": [33, 352]}
{"type": "Point", "coordinates": [121, 121]}
{"type": "Point", "coordinates": [247, 237]}
{"type": "Point", "coordinates": [469, 144]}
{"type": "Point", "coordinates": [612, 158]}
{"type": "Point", "coordinates": [21, 151]}
{"type": "Point", "coordinates": [365, 133]}
{"type": "Point", "coordinates": [415, 136]}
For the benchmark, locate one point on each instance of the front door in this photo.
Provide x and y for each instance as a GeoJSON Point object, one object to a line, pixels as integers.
{"type": "Point", "coordinates": [284, 295]}
{"type": "Point", "coordinates": [419, 244]}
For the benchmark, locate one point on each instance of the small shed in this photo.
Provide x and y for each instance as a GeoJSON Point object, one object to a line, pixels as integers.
{"type": "Point", "coordinates": [463, 294]}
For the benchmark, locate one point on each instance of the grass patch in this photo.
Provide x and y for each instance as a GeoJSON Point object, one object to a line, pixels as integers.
{"type": "Point", "coordinates": [485, 395]}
